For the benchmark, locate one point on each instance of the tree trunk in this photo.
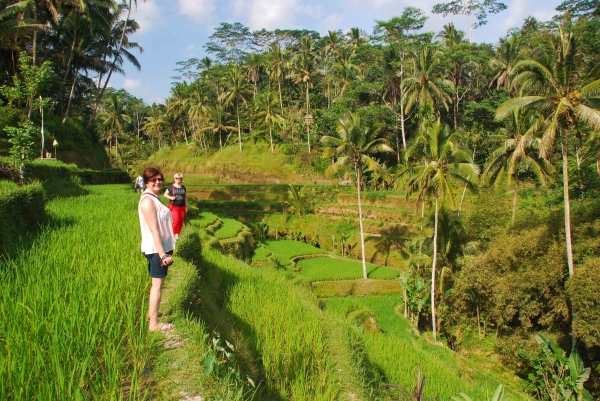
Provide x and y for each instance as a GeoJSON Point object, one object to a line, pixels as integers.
{"type": "Point", "coordinates": [565, 157]}
{"type": "Point", "coordinates": [479, 321]}
{"type": "Point", "coordinates": [360, 221]}
{"type": "Point", "coordinates": [462, 198]}
{"type": "Point", "coordinates": [580, 181]}
{"type": "Point", "coordinates": [514, 211]}
{"type": "Point", "coordinates": [271, 137]}
{"type": "Point", "coordinates": [280, 98]}
{"type": "Point", "coordinates": [402, 108]}
{"type": "Point", "coordinates": [34, 44]}
{"type": "Point", "coordinates": [70, 55]}
{"type": "Point", "coordinates": [307, 119]}
{"type": "Point", "coordinates": [70, 98]}
{"type": "Point", "coordinates": [397, 142]}
{"type": "Point", "coordinates": [237, 111]}
{"type": "Point", "coordinates": [433, 267]}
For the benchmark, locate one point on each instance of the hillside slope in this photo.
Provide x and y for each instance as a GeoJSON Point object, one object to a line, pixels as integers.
{"type": "Point", "coordinates": [256, 164]}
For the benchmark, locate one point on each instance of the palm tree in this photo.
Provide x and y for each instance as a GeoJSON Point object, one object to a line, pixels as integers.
{"type": "Point", "coordinates": [519, 152]}
{"type": "Point", "coordinates": [441, 162]}
{"type": "Point", "coordinates": [357, 142]}
{"type": "Point", "coordinates": [566, 95]}
{"type": "Point", "coordinates": [277, 67]}
{"type": "Point", "coordinates": [117, 44]}
{"type": "Point", "coordinates": [112, 120]}
{"type": "Point", "coordinates": [507, 55]}
{"type": "Point", "coordinates": [254, 67]}
{"type": "Point", "coordinates": [426, 85]}
{"type": "Point", "coordinates": [155, 123]}
{"type": "Point", "coordinates": [457, 55]}
{"type": "Point", "coordinates": [218, 123]}
{"type": "Point", "coordinates": [356, 38]}
{"type": "Point", "coordinates": [265, 105]}
{"type": "Point", "coordinates": [304, 69]}
{"type": "Point", "coordinates": [333, 42]}
{"type": "Point", "coordinates": [296, 200]}
{"type": "Point", "coordinates": [236, 90]}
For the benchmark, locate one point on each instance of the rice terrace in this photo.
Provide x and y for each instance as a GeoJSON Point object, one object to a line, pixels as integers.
{"type": "Point", "coordinates": [379, 201]}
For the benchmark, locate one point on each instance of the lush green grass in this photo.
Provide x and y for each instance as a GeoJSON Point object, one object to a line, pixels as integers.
{"type": "Point", "coordinates": [229, 229]}
{"type": "Point", "coordinates": [287, 249]}
{"type": "Point", "coordinates": [321, 269]}
{"type": "Point", "coordinates": [398, 351]}
{"type": "Point", "coordinates": [261, 254]}
{"type": "Point", "coordinates": [205, 219]}
{"type": "Point", "coordinates": [267, 308]}
{"type": "Point", "coordinates": [72, 305]}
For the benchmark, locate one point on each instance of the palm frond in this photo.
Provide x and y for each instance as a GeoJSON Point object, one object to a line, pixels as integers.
{"type": "Point", "coordinates": [507, 108]}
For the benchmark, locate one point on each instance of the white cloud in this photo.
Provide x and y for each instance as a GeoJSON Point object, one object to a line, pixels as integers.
{"type": "Point", "coordinates": [199, 11]}
{"type": "Point", "coordinates": [131, 84]}
{"type": "Point", "coordinates": [146, 14]}
{"type": "Point", "coordinates": [333, 22]}
{"type": "Point", "coordinates": [272, 14]}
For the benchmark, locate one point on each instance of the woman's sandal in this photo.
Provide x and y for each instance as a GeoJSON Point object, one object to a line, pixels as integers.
{"type": "Point", "coordinates": [165, 327]}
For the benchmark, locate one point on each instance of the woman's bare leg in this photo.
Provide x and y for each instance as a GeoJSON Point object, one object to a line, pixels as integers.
{"type": "Point", "coordinates": [154, 302]}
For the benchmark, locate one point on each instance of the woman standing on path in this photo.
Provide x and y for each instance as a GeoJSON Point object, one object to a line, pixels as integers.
{"type": "Point", "coordinates": [158, 242]}
{"type": "Point", "coordinates": [178, 204]}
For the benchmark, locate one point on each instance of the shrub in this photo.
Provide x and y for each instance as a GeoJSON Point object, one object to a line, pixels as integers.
{"type": "Point", "coordinates": [22, 208]}
{"type": "Point", "coordinates": [583, 290]}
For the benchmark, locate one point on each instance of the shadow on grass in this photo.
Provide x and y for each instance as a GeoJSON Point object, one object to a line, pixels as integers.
{"type": "Point", "coordinates": [63, 189]}
{"type": "Point", "coordinates": [23, 242]}
{"type": "Point", "coordinates": [209, 302]}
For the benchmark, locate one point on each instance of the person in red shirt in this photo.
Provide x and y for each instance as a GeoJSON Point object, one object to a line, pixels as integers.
{"type": "Point", "coordinates": [178, 203]}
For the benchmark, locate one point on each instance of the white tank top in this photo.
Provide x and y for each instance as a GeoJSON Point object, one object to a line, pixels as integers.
{"type": "Point", "coordinates": [165, 226]}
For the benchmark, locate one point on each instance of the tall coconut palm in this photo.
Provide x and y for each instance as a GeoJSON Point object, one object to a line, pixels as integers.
{"type": "Point", "coordinates": [236, 91]}
{"type": "Point", "coordinates": [357, 142]}
{"type": "Point", "coordinates": [426, 85]}
{"type": "Point", "coordinates": [277, 66]}
{"type": "Point", "coordinates": [266, 114]}
{"type": "Point", "coordinates": [117, 43]}
{"type": "Point", "coordinates": [441, 163]}
{"type": "Point", "coordinates": [517, 153]}
{"type": "Point", "coordinates": [356, 38]}
{"type": "Point", "coordinates": [507, 55]}
{"type": "Point", "coordinates": [566, 95]}
{"type": "Point", "coordinates": [113, 118]}
{"type": "Point", "coordinates": [303, 71]}
{"type": "Point", "coordinates": [218, 123]}
{"type": "Point", "coordinates": [154, 124]}
{"type": "Point", "coordinates": [333, 41]}
{"type": "Point", "coordinates": [254, 64]}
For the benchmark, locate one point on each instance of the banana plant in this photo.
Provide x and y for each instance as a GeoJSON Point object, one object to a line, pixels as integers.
{"type": "Point", "coordinates": [498, 395]}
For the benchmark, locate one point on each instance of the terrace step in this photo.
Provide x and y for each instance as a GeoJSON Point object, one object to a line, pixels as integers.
{"type": "Point", "coordinates": [359, 287]}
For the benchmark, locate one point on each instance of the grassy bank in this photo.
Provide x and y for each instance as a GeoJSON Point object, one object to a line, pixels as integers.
{"type": "Point", "coordinates": [72, 305]}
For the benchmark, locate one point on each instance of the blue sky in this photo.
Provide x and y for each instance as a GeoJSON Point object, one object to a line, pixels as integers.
{"type": "Point", "coordinates": [176, 30]}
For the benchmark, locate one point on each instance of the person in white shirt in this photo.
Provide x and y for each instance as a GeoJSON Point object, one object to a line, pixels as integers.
{"type": "Point", "coordinates": [139, 184]}
{"type": "Point", "coordinates": [158, 242]}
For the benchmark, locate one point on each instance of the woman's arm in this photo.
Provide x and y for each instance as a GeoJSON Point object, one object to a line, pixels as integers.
{"type": "Point", "coordinates": [167, 195]}
{"type": "Point", "coordinates": [149, 212]}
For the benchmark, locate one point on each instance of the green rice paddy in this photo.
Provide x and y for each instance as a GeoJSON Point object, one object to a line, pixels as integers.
{"type": "Point", "coordinates": [322, 269]}
{"type": "Point", "coordinates": [72, 304]}
{"type": "Point", "coordinates": [288, 249]}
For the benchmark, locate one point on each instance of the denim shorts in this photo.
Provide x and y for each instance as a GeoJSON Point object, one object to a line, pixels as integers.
{"type": "Point", "coordinates": [155, 266]}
